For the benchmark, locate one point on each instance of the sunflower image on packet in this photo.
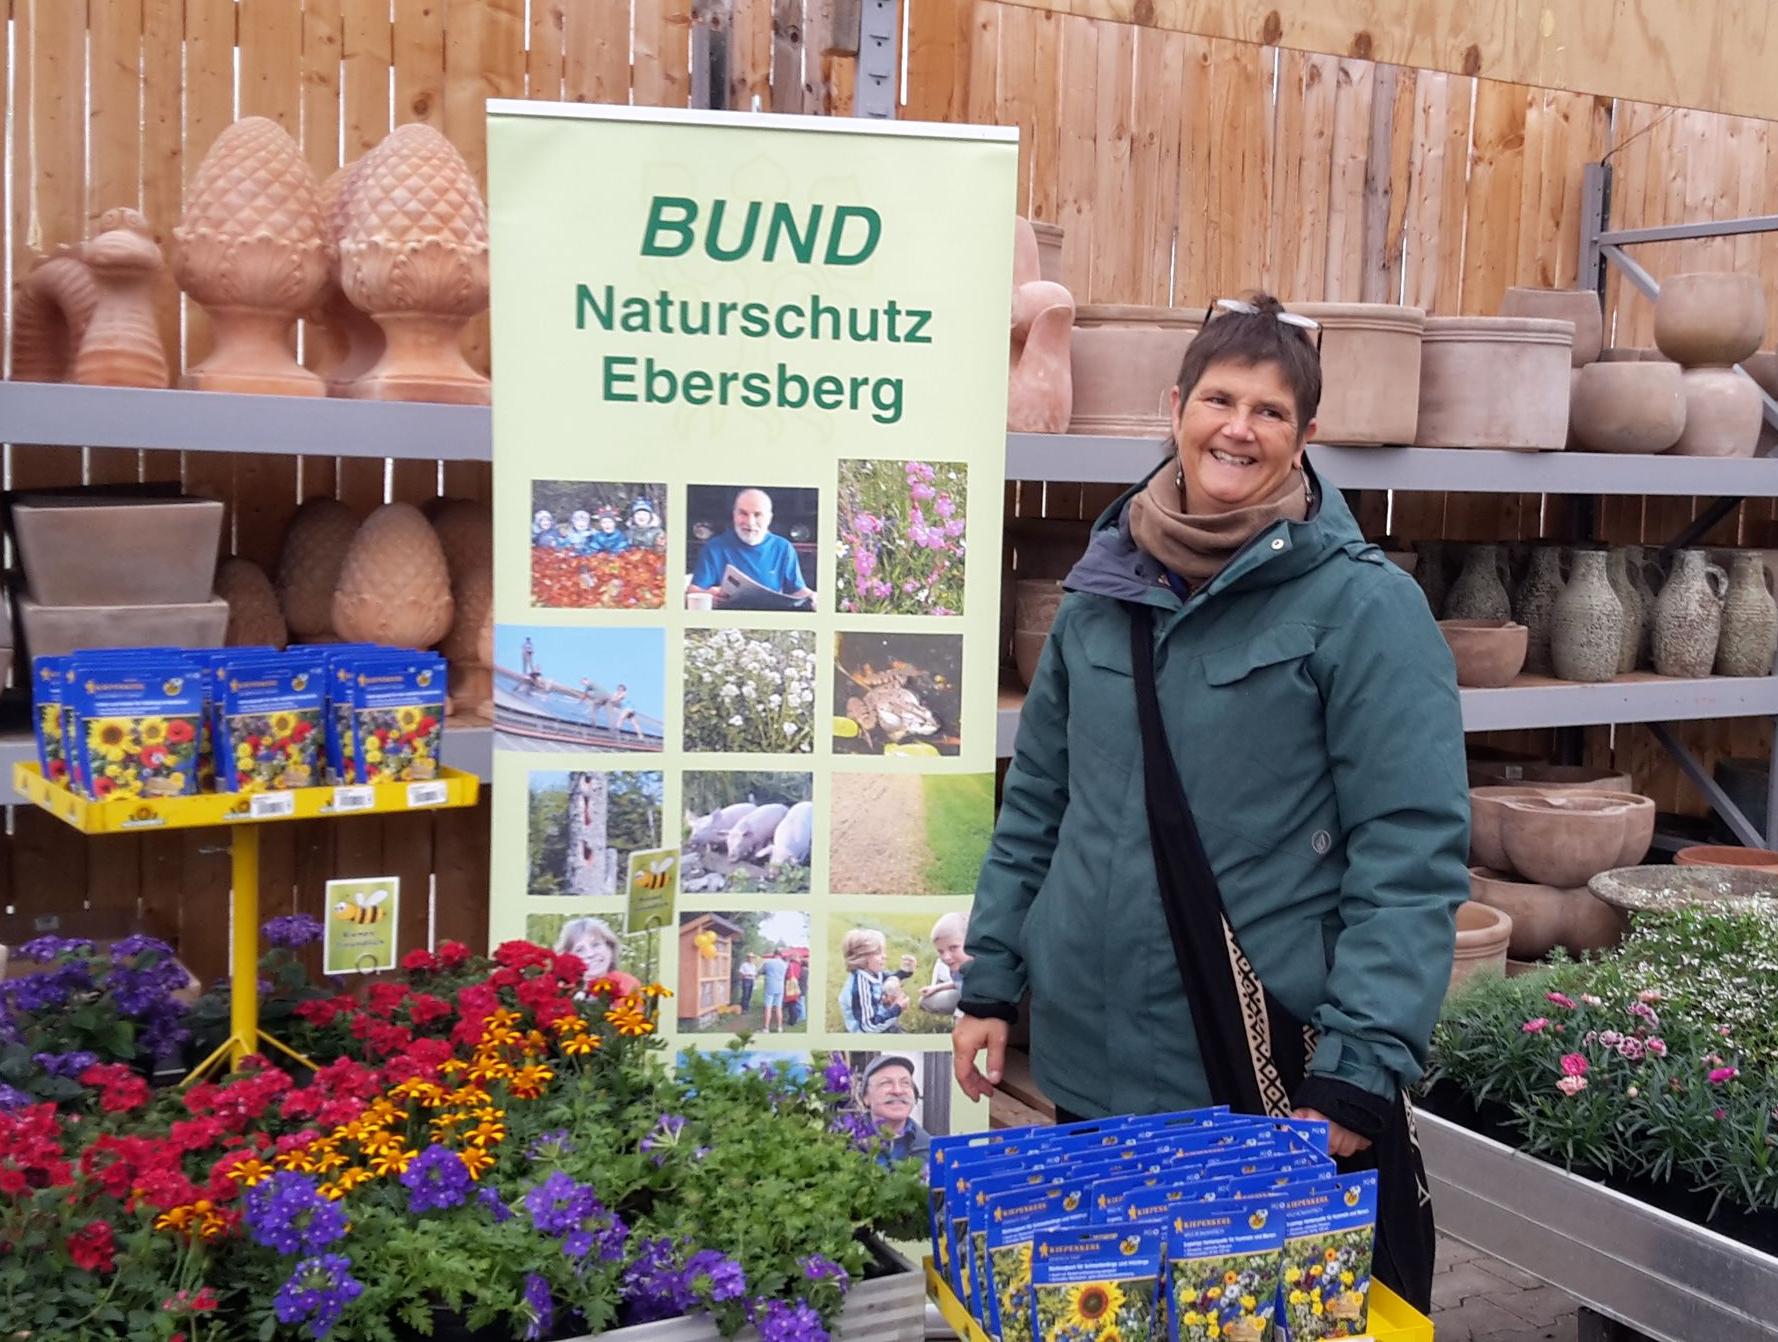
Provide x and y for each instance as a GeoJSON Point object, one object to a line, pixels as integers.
{"type": "Point", "coordinates": [1223, 1267]}
{"type": "Point", "coordinates": [1329, 1235]}
{"type": "Point", "coordinates": [1014, 1221]}
{"type": "Point", "coordinates": [1097, 1286]}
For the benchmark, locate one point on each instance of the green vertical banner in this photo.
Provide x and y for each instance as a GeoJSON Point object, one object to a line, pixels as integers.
{"type": "Point", "coordinates": [749, 456]}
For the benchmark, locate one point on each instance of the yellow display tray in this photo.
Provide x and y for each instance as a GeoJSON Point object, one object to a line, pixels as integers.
{"type": "Point", "coordinates": [122, 815]}
{"type": "Point", "coordinates": [1392, 1318]}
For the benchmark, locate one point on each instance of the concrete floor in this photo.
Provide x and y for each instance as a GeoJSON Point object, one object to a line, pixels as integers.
{"type": "Point", "coordinates": [1479, 1299]}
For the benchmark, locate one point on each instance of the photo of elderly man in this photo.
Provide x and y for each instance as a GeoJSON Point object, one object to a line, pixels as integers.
{"type": "Point", "coordinates": [747, 546]}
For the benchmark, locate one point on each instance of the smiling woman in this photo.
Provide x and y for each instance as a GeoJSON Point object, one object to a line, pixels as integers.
{"type": "Point", "coordinates": [1208, 797]}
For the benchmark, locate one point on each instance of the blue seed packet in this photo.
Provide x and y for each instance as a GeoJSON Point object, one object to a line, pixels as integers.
{"type": "Point", "coordinates": [136, 722]}
{"type": "Point", "coordinates": [1223, 1271]}
{"type": "Point", "coordinates": [1096, 1286]}
{"type": "Point", "coordinates": [1014, 1220]}
{"type": "Point", "coordinates": [47, 684]}
{"type": "Point", "coordinates": [397, 717]}
{"type": "Point", "coordinates": [1329, 1237]}
{"type": "Point", "coordinates": [270, 725]}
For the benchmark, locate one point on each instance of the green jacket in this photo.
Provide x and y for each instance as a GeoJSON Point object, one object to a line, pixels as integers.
{"type": "Point", "coordinates": [1311, 707]}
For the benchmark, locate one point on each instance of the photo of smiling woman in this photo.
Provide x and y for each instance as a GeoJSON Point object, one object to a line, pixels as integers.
{"type": "Point", "coordinates": [1233, 835]}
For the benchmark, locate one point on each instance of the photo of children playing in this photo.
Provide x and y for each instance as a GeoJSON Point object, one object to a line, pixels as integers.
{"type": "Point", "coordinates": [750, 548]}
{"type": "Point", "coordinates": [897, 973]}
{"type": "Point", "coordinates": [743, 972]}
{"type": "Point", "coordinates": [598, 545]}
{"type": "Point", "coordinates": [582, 827]}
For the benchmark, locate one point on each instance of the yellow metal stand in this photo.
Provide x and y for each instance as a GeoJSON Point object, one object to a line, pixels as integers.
{"type": "Point", "coordinates": [244, 813]}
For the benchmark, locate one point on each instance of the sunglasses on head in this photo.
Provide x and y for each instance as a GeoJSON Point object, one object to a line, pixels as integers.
{"type": "Point", "coordinates": [1308, 326]}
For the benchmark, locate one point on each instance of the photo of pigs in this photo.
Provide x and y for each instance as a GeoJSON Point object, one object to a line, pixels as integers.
{"type": "Point", "coordinates": [747, 832]}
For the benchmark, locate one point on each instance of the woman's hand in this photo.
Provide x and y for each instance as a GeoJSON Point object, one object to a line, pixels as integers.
{"type": "Point", "coordinates": [1340, 1141]}
{"type": "Point", "coordinates": [969, 1037]}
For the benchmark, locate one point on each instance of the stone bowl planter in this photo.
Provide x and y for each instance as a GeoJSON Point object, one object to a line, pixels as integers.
{"type": "Point", "coordinates": [1723, 414]}
{"type": "Point", "coordinates": [1539, 913]}
{"type": "Point", "coordinates": [1562, 840]}
{"type": "Point", "coordinates": [1660, 889]}
{"type": "Point", "coordinates": [1548, 777]}
{"type": "Point", "coordinates": [1483, 933]}
{"type": "Point", "coordinates": [1123, 360]}
{"type": "Point", "coordinates": [1580, 306]}
{"type": "Point", "coordinates": [1489, 653]}
{"type": "Point", "coordinates": [1628, 407]}
{"type": "Point", "coordinates": [1712, 318]}
{"type": "Point", "coordinates": [1727, 856]}
{"type": "Point", "coordinates": [1486, 807]}
{"type": "Point", "coordinates": [1495, 382]}
{"type": "Point", "coordinates": [1370, 371]}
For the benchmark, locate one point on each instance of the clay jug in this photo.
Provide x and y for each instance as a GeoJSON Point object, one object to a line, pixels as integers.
{"type": "Point", "coordinates": [1534, 606]}
{"type": "Point", "coordinates": [122, 345]}
{"type": "Point", "coordinates": [1617, 571]}
{"type": "Point", "coordinates": [51, 310]}
{"type": "Point", "coordinates": [1429, 572]}
{"type": "Point", "coordinates": [1749, 621]}
{"type": "Point", "coordinates": [1480, 590]}
{"type": "Point", "coordinates": [1688, 617]}
{"type": "Point", "coordinates": [1587, 626]}
{"type": "Point", "coordinates": [1636, 561]}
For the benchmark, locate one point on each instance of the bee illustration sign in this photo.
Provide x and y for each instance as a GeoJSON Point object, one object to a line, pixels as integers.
{"type": "Point", "coordinates": [654, 880]}
{"type": "Point", "coordinates": [361, 918]}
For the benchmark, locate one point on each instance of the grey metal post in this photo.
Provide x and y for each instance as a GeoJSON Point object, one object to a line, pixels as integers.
{"type": "Point", "coordinates": [1595, 218]}
{"type": "Point", "coordinates": [879, 66]}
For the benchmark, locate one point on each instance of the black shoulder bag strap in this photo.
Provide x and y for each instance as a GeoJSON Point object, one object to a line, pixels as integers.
{"type": "Point", "coordinates": [1255, 1053]}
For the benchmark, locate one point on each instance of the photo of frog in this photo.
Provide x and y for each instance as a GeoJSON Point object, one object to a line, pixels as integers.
{"type": "Point", "coordinates": [897, 694]}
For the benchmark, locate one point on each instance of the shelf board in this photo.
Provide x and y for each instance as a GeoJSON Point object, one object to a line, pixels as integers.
{"type": "Point", "coordinates": [51, 413]}
{"type": "Point", "coordinates": [1107, 460]}
{"type": "Point", "coordinates": [1537, 701]}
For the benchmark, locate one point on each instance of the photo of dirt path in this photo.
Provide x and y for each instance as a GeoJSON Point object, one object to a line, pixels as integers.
{"type": "Point", "coordinates": [879, 833]}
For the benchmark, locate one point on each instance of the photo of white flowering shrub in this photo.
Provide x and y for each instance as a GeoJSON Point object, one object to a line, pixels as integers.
{"type": "Point", "coordinates": [750, 691]}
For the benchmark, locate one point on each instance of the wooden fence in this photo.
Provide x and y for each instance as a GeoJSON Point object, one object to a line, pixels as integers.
{"type": "Point", "coordinates": [1181, 168]}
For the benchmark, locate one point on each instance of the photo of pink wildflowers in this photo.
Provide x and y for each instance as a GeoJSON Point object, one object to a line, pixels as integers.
{"type": "Point", "coordinates": [902, 537]}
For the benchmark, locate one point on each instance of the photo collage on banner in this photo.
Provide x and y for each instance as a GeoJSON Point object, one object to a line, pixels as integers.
{"type": "Point", "coordinates": [749, 461]}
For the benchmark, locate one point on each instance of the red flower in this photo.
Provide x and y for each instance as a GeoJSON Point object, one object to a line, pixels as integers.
{"type": "Point", "coordinates": [121, 1090]}
{"type": "Point", "coordinates": [385, 997]}
{"type": "Point", "coordinates": [423, 1009]}
{"type": "Point", "coordinates": [57, 770]}
{"type": "Point", "coordinates": [303, 730]}
{"type": "Point", "coordinates": [323, 1011]}
{"type": "Point", "coordinates": [154, 755]}
{"type": "Point", "coordinates": [103, 786]}
{"type": "Point", "coordinates": [384, 1039]}
{"type": "Point", "coordinates": [178, 731]}
{"type": "Point", "coordinates": [452, 953]}
{"type": "Point", "coordinates": [505, 977]}
{"type": "Point", "coordinates": [419, 961]}
{"type": "Point", "coordinates": [570, 968]}
{"type": "Point", "coordinates": [195, 1134]}
{"type": "Point", "coordinates": [92, 1247]}
{"type": "Point", "coordinates": [522, 955]}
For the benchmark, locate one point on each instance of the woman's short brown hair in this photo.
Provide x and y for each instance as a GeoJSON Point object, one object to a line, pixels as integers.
{"type": "Point", "coordinates": [1250, 339]}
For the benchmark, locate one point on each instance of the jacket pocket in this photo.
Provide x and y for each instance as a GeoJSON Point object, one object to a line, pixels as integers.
{"type": "Point", "coordinates": [1281, 643]}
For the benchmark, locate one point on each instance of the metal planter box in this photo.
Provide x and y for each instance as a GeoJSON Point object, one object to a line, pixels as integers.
{"type": "Point", "coordinates": [1648, 1269]}
{"type": "Point", "coordinates": [887, 1309]}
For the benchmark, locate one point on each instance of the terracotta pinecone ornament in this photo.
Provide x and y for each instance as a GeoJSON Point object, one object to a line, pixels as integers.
{"type": "Point", "coordinates": [394, 587]}
{"type": "Point", "coordinates": [1040, 381]}
{"type": "Point", "coordinates": [309, 565]}
{"type": "Point", "coordinates": [252, 248]}
{"type": "Point", "coordinates": [413, 253]}
{"type": "Point", "coordinates": [254, 619]}
{"type": "Point", "coordinates": [350, 342]}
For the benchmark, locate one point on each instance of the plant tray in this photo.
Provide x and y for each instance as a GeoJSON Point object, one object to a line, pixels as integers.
{"type": "Point", "coordinates": [1392, 1318]}
{"type": "Point", "coordinates": [451, 788]}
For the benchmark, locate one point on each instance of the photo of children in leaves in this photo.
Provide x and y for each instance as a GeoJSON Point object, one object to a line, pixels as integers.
{"type": "Point", "coordinates": [1327, 1282]}
{"type": "Point", "coordinates": [750, 690]}
{"type": "Point", "coordinates": [901, 537]}
{"type": "Point", "coordinates": [1095, 1311]}
{"type": "Point", "coordinates": [141, 757]}
{"type": "Point", "coordinates": [743, 972]}
{"type": "Point", "coordinates": [897, 694]}
{"type": "Point", "coordinates": [896, 973]}
{"type": "Point", "coordinates": [272, 751]}
{"type": "Point", "coordinates": [1231, 1297]}
{"type": "Point", "coordinates": [598, 545]}
{"type": "Point", "coordinates": [747, 832]}
{"type": "Point", "coordinates": [583, 826]}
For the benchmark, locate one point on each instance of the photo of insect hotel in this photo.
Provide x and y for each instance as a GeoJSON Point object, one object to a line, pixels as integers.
{"type": "Point", "coordinates": [747, 833]}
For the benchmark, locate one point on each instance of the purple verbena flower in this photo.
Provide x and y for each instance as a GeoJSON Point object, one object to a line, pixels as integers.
{"type": "Point", "coordinates": [69, 1065]}
{"type": "Point", "coordinates": [287, 1213]}
{"type": "Point", "coordinates": [13, 1098]}
{"type": "Point", "coordinates": [45, 949]}
{"type": "Point", "coordinates": [665, 1133]}
{"type": "Point", "coordinates": [317, 1293]}
{"type": "Point", "coordinates": [836, 1077]}
{"type": "Point", "coordinates": [133, 946]}
{"type": "Point", "coordinates": [786, 1321]}
{"type": "Point", "coordinates": [653, 1286]}
{"type": "Point", "coordinates": [491, 1201]}
{"type": "Point", "coordinates": [436, 1180]}
{"type": "Point", "coordinates": [711, 1272]}
{"type": "Point", "coordinates": [539, 1306]}
{"type": "Point", "coordinates": [818, 1267]}
{"type": "Point", "coordinates": [559, 1205]}
{"type": "Point", "coordinates": [553, 1144]}
{"type": "Point", "coordinates": [291, 931]}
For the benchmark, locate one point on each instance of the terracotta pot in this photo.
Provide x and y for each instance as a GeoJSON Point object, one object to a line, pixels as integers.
{"type": "Point", "coordinates": [1489, 653]}
{"type": "Point", "coordinates": [1562, 840]}
{"type": "Point", "coordinates": [1591, 924]}
{"type": "Point", "coordinates": [1548, 777]}
{"type": "Point", "coordinates": [1710, 317]}
{"type": "Point", "coordinates": [122, 346]}
{"type": "Point", "coordinates": [1049, 251]}
{"type": "Point", "coordinates": [1039, 376]}
{"type": "Point", "coordinates": [1027, 647]}
{"type": "Point", "coordinates": [1763, 369]}
{"type": "Point", "coordinates": [1580, 306]}
{"type": "Point", "coordinates": [1539, 913]}
{"type": "Point", "coordinates": [1727, 855]}
{"type": "Point", "coordinates": [1035, 601]}
{"type": "Point", "coordinates": [1495, 382]}
{"type": "Point", "coordinates": [1639, 822]}
{"type": "Point", "coordinates": [1486, 806]}
{"type": "Point", "coordinates": [1370, 371]}
{"type": "Point", "coordinates": [1628, 407]}
{"type": "Point", "coordinates": [1124, 359]}
{"type": "Point", "coordinates": [1723, 414]}
{"type": "Point", "coordinates": [1483, 933]}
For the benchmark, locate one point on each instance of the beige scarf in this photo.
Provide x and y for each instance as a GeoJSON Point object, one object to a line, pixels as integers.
{"type": "Point", "coordinates": [1197, 545]}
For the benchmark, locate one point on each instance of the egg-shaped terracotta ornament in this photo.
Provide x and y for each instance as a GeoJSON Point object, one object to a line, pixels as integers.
{"type": "Point", "coordinates": [414, 255]}
{"type": "Point", "coordinates": [52, 308]}
{"type": "Point", "coordinates": [394, 587]}
{"type": "Point", "coordinates": [253, 249]}
{"type": "Point", "coordinates": [465, 529]}
{"type": "Point", "coordinates": [122, 345]}
{"type": "Point", "coordinates": [348, 340]}
{"type": "Point", "coordinates": [309, 566]}
{"type": "Point", "coordinates": [254, 619]}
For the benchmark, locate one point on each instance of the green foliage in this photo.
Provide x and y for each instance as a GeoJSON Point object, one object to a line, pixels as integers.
{"type": "Point", "coordinates": [713, 790]}
{"type": "Point", "coordinates": [959, 823]}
